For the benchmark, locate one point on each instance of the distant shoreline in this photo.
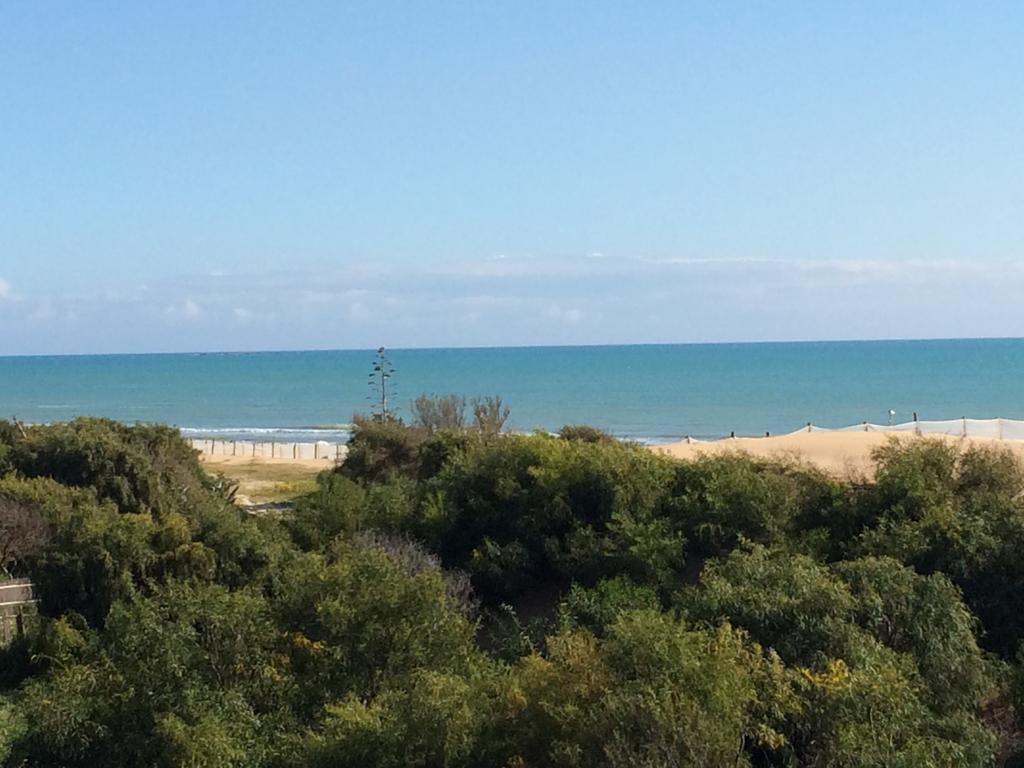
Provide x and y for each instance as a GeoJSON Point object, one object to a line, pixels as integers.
{"type": "Point", "coordinates": [840, 452]}
{"type": "Point", "coordinates": [655, 394]}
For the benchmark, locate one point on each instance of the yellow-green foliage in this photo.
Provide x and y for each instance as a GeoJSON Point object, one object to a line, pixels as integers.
{"type": "Point", "coordinates": [460, 598]}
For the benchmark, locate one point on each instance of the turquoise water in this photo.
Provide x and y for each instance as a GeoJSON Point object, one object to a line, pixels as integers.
{"type": "Point", "coordinates": [653, 393]}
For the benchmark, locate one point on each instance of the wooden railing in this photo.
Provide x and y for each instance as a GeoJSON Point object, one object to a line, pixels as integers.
{"type": "Point", "coordinates": [17, 608]}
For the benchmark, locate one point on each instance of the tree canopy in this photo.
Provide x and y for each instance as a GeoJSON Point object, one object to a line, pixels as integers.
{"type": "Point", "coordinates": [455, 596]}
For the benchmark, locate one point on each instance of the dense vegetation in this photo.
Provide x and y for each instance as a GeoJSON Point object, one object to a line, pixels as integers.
{"type": "Point", "coordinates": [453, 596]}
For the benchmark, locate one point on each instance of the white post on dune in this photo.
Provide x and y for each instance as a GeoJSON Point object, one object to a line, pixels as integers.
{"type": "Point", "coordinates": [963, 432]}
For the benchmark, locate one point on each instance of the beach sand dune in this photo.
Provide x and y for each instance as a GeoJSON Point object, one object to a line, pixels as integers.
{"type": "Point", "coordinates": [835, 452]}
{"type": "Point", "coordinates": [217, 461]}
{"type": "Point", "coordinates": [263, 480]}
{"type": "Point", "coordinates": [840, 453]}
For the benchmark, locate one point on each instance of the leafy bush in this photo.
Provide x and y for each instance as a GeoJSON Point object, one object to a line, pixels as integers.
{"type": "Point", "coordinates": [147, 468]}
{"type": "Point", "coordinates": [873, 714]}
{"type": "Point", "coordinates": [489, 414]}
{"type": "Point", "coordinates": [24, 532]}
{"type": "Point", "coordinates": [584, 434]}
{"type": "Point", "coordinates": [365, 619]}
{"type": "Point", "coordinates": [959, 511]}
{"type": "Point", "coordinates": [653, 693]}
{"type": "Point", "coordinates": [728, 611]}
{"type": "Point", "coordinates": [596, 608]}
{"type": "Point", "coordinates": [524, 510]}
{"type": "Point", "coordinates": [184, 677]}
{"type": "Point", "coordinates": [381, 449]}
{"type": "Point", "coordinates": [925, 618]}
{"type": "Point", "coordinates": [790, 603]}
{"type": "Point", "coordinates": [720, 500]}
{"type": "Point", "coordinates": [439, 412]}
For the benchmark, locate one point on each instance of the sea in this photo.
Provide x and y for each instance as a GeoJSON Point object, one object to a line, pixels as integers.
{"type": "Point", "coordinates": [650, 393]}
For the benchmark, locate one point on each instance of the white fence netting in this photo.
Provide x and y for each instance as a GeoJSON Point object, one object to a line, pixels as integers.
{"type": "Point", "coordinates": [269, 450]}
{"type": "Point", "coordinates": [995, 429]}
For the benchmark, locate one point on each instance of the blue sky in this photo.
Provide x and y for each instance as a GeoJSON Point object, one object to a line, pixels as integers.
{"type": "Point", "coordinates": [198, 176]}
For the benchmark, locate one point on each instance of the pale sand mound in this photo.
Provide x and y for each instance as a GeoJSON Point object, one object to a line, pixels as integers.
{"type": "Point", "coordinates": [265, 480]}
{"type": "Point", "coordinates": [837, 452]}
{"type": "Point", "coordinates": [218, 462]}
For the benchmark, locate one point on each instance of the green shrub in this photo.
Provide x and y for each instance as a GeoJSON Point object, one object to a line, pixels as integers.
{"type": "Point", "coordinates": [924, 617]}
{"type": "Point", "coordinates": [381, 449]}
{"type": "Point", "coordinates": [728, 611]}
{"type": "Point", "coordinates": [873, 714]}
{"type": "Point", "coordinates": [367, 618]}
{"type": "Point", "coordinates": [146, 468]}
{"type": "Point", "coordinates": [719, 500]}
{"type": "Point", "coordinates": [185, 677]}
{"type": "Point", "coordinates": [439, 412]}
{"type": "Point", "coordinates": [943, 508]}
{"type": "Point", "coordinates": [653, 693]}
{"type": "Point", "coordinates": [789, 603]}
{"type": "Point", "coordinates": [596, 608]}
{"type": "Point", "coordinates": [518, 511]}
{"type": "Point", "coordinates": [584, 434]}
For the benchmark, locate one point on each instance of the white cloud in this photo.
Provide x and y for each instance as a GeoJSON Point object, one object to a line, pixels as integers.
{"type": "Point", "coordinates": [187, 309]}
{"type": "Point", "coordinates": [358, 312]}
{"type": "Point", "coordinates": [313, 297]}
{"type": "Point", "coordinates": [529, 300]}
{"type": "Point", "coordinates": [44, 310]}
{"type": "Point", "coordinates": [567, 315]}
{"type": "Point", "coordinates": [5, 289]}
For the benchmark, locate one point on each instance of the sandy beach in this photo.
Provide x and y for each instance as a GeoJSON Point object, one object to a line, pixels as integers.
{"type": "Point", "coordinates": [838, 452]}
{"type": "Point", "coordinates": [239, 463]}
{"type": "Point", "coordinates": [263, 480]}
{"type": "Point", "coordinates": [841, 453]}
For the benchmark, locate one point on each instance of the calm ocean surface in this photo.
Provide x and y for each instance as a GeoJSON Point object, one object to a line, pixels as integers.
{"type": "Point", "coordinates": [653, 393]}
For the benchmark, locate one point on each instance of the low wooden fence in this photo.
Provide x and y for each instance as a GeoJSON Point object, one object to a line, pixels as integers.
{"type": "Point", "coordinates": [17, 608]}
{"type": "Point", "coordinates": [270, 449]}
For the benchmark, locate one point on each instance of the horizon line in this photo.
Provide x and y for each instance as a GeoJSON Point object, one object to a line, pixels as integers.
{"type": "Point", "coordinates": [481, 347]}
